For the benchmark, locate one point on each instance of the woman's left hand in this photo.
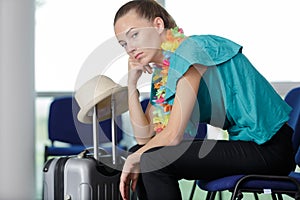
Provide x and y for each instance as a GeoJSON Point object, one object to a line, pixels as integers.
{"type": "Point", "coordinates": [130, 174]}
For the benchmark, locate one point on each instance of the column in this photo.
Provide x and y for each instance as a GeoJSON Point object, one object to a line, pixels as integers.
{"type": "Point", "coordinates": [17, 145]}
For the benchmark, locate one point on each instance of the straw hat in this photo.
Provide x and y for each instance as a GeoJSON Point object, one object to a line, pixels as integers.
{"type": "Point", "coordinates": [99, 91]}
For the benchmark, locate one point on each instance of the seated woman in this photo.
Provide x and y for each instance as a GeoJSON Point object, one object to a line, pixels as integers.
{"type": "Point", "coordinates": [199, 78]}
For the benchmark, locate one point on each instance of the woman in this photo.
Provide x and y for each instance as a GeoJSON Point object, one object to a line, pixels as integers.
{"type": "Point", "coordinates": [201, 78]}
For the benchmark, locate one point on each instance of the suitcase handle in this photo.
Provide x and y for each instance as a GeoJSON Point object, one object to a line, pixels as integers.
{"type": "Point", "coordinates": [84, 153]}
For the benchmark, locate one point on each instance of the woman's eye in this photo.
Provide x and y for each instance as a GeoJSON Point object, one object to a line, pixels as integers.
{"type": "Point", "coordinates": [134, 35]}
{"type": "Point", "coordinates": [123, 44]}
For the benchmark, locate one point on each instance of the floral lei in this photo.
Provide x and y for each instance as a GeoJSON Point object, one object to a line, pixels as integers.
{"type": "Point", "coordinates": [161, 113]}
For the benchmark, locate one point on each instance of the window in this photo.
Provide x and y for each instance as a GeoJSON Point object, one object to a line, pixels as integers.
{"type": "Point", "coordinates": [67, 32]}
{"type": "Point", "coordinates": [267, 30]}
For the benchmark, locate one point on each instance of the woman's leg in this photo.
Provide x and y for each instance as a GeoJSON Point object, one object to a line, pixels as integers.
{"type": "Point", "coordinates": [163, 167]}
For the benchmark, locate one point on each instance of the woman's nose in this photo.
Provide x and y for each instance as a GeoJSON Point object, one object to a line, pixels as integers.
{"type": "Point", "coordinates": [131, 46]}
{"type": "Point", "coordinates": [130, 49]}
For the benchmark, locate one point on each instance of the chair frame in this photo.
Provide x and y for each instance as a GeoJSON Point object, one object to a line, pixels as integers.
{"type": "Point", "coordinates": [239, 188]}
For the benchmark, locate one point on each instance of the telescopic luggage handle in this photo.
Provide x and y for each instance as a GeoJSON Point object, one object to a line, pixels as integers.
{"type": "Point", "coordinates": [96, 131]}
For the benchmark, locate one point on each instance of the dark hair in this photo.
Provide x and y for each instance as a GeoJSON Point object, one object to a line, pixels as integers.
{"type": "Point", "coordinates": [148, 9]}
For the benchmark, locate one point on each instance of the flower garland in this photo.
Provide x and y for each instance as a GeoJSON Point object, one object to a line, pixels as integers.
{"type": "Point", "coordinates": [161, 114]}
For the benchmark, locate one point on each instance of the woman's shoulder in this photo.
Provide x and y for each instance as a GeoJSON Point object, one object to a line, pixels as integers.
{"type": "Point", "coordinates": [210, 41]}
{"type": "Point", "coordinates": [208, 50]}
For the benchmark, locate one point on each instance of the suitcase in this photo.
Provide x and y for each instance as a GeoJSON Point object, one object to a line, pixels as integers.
{"type": "Point", "coordinates": [88, 176]}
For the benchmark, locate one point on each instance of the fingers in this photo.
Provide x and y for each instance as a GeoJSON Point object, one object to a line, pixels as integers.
{"type": "Point", "coordinates": [148, 69]}
{"type": "Point", "coordinates": [124, 189]}
{"type": "Point", "coordinates": [134, 182]}
{"type": "Point", "coordinates": [130, 174]}
{"type": "Point", "coordinates": [133, 64]}
{"type": "Point", "coordinates": [124, 186]}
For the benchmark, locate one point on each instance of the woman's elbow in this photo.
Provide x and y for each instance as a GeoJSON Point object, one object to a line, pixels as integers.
{"type": "Point", "coordinates": [176, 141]}
{"type": "Point", "coordinates": [143, 141]}
{"type": "Point", "coordinates": [174, 138]}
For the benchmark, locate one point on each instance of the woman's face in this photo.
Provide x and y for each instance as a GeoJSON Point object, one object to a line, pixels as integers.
{"type": "Point", "coordinates": [140, 37]}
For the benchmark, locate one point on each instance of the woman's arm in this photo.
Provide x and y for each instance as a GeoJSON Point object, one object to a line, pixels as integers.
{"type": "Point", "coordinates": [186, 95]}
{"type": "Point", "coordinates": [185, 98]}
{"type": "Point", "coordinates": [140, 121]}
{"type": "Point", "coordinates": [141, 124]}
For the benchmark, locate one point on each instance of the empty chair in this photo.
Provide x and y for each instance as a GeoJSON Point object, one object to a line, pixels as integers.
{"type": "Point", "coordinates": [64, 128]}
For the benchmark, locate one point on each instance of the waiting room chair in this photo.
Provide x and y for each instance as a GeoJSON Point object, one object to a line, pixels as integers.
{"type": "Point", "coordinates": [256, 184]}
{"type": "Point", "coordinates": [64, 127]}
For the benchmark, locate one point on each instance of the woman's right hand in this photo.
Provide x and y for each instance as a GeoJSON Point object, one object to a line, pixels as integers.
{"type": "Point", "coordinates": [135, 70]}
{"type": "Point", "coordinates": [129, 176]}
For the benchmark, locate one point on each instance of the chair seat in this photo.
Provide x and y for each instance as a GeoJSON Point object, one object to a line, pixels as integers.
{"type": "Point", "coordinates": [295, 175]}
{"type": "Point", "coordinates": [229, 183]}
{"type": "Point", "coordinates": [220, 184]}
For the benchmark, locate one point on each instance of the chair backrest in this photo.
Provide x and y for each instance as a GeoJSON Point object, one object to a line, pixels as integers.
{"type": "Point", "coordinates": [201, 131]}
{"type": "Point", "coordinates": [293, 99]}
{"type": "Point", "coordinates": [64, 126]}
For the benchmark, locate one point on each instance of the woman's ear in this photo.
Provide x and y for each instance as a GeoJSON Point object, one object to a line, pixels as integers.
{"type": "Point", "coordinates": [159, 24]}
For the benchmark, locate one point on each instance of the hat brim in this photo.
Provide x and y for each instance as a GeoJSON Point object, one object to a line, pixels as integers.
{"type": "Point", "coordinates": [103, 104]}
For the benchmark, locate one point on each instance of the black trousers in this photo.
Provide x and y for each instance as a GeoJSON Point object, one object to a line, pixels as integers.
{"type": "Point", "coordinates": [162, 167]}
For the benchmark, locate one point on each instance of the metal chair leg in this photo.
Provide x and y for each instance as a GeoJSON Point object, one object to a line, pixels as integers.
{"type": "Point", "coordinates": [274, 197]}
{"type": "Point", "coordinates": [255, 196]}
{"type": "Point", "coordinates": [211, 195]}
{"type": "Point", "coordinates": [220, 195]}
{"type": "Point", "coordinates": [237, 195]}
{"type": "Point", "coordinates": [279, 196]}
{"type": "Point", "coordinates": [193, 190]}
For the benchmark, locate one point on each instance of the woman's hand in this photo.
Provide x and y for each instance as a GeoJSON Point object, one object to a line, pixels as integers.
{"type": "Point", "coordinates": [135, 70]}
{"type": "Point", "coordinates": [129, 176]}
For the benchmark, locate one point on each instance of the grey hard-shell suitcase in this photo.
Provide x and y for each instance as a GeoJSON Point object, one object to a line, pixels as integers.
{"type": "Point", "coordinates": [88, 176]}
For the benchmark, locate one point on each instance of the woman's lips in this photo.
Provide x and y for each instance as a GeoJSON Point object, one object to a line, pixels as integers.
{"type": "Point", "coordinates": [138, 56]}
